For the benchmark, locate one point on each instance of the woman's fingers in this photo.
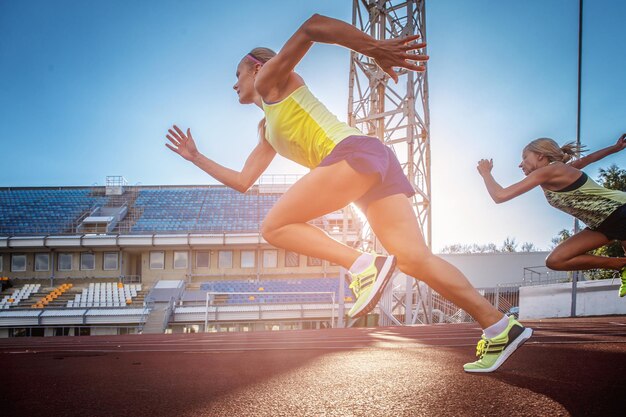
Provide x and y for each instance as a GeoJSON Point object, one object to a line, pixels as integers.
{"type": "Point", "coordinates": [172, 148]}
{"type": "Point", "coordinates": [413, 46]}
{"type": "Point", "coordinates": [416, 57]}
{"type": "Point", "coordinates": [180, 133]}
{"type": "Point", "coordinates": [171, 139]}
{"type": "Point", "coordinates": [174, 135]}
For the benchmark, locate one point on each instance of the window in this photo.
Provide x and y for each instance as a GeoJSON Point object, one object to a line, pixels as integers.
{"type": "Point", "coordinates": [18, 263]}
{"type": "Point", "coordinates": [270, 258]}
{"type": "Point", "coordinates": [110, 262]}
{"type": "Point", "coordinates": [202, 259]}
{"type": "Point", "coordinates": [64, 262]}
{"type": "Point", "coordinates": [292, 259]}
{"type": "Point", "coordinates": [248, 259]}
{"type": "Point", "coordinates": [181, 260]}
{"type": "Point", "coordinates": [1, 263]}
{"type": "Point", "coordinates": [157, 260]}
{"type": "Point", "coordinates": [62, 331]}
{"type": "Point", "coordinates": [311, 261]}
{"type": "Point", "coordinates": [87, 261]}
{"type": "Point", "coordinates": [225, 259]}
{"type": "Point", "coordinates": [42, 262]}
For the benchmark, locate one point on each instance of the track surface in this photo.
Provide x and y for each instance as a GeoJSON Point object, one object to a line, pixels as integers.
{"type": "Point", "coordinates": [569, 367]}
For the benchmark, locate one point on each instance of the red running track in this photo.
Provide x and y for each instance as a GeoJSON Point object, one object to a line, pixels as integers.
{"type": "Point", "coordinates": [571, 367]}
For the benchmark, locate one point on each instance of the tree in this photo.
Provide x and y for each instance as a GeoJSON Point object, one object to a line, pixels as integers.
{"type": "Point", "coordinates": [509, 245]}
{"type": "Point", "coordinates": [474, 248]}
{"type": "Point", "coordinates": [529, 247]}
{"type": "Point", "coordinates": [562, 236]}
{"type": "Point", "coordinates": [614, 178]}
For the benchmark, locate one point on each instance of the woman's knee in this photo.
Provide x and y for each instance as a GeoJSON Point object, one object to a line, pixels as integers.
{"type": "Point", "coordinates": [268, 230]}
{"type": "Point", "coordinates": [411, 262]}
{"type": "Point", "coordinates": [555, 262]}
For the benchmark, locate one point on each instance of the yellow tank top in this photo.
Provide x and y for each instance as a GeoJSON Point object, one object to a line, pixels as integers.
{"type": "Point", "coordinates": [302, 129]}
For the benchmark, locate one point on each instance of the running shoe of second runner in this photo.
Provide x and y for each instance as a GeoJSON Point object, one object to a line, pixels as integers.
{"type": "Point", "coordinates": [622, 288]}
{"type": "Point", "coordinates": [492, 353]}
{"type": "Point", "coordinates": [368, 286]}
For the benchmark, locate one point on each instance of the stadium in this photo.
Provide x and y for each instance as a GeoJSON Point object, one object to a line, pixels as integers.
{"type": "Point", "coordinates": [117, 259]}
{"type": "Point", "coordinates": [166, 299]}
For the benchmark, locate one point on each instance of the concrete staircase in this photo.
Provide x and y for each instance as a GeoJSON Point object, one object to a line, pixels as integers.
{"type": "Point", "coordinates": [155, 323]}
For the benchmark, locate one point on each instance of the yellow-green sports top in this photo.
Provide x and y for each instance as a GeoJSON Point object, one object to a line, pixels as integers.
{"type": "Point", "coordinates": [586, 200]}
{"type": "Point", "coordinates": [302, 129]}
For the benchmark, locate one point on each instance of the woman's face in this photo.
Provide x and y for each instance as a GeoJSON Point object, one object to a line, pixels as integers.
{"type": "Point", "coordinates": [531, 161]}
{"type": "Point", "coordinates": [246, 73]}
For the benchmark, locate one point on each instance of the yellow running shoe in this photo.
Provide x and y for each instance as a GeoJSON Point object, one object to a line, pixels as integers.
{"type": "Point", "coordinates": [492, 353]}
{"type": "Point", "coordinates": [622, 288]}
{"type": "Point", "coordinates": [368, 286]}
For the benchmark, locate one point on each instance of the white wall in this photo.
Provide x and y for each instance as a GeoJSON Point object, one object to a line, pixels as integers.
{"type": "Point", "coordinates": [491, 269]}
{"type": "Point", "coordinates": [103, 331]}
{"type": "Point", "coordinates": [594, 298]}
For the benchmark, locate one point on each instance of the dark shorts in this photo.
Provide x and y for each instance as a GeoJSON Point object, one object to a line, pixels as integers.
{"type": "Point", "coordinates": [369, 155]}
{"type": "Point", "coordinates": [614, 226]}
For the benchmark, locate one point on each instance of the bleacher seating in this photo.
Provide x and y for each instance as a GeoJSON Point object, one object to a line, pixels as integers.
{"type": "Point", "coordinates": [18, 295]}
{"type": "Point", "coordinates": [105, 294]}
{"type": "Point", "coordinates": [211, 210]}
{"type": "Point", "coordinates": [52, 295]}
{"type": "Point", "coordinates": [278, 286]}
{"type": "Point", "coordinates": [43, 211]}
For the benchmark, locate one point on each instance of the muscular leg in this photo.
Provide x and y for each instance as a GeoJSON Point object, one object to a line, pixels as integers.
{"type": "Point", "coordinates": [322, 191]}
{"type": "Point", "coordinates": [571, 255]}
{"type": "Point", "coordinates": [394, 222]}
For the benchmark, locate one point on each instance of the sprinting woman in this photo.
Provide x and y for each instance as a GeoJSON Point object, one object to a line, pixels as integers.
{"type": "Point", "coordinates": [346, 166]}
{"type": "Point", "coordinates": [550, 166]}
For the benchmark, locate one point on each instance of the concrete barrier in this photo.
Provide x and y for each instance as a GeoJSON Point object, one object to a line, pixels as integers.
{"type": "Point", "coordinates": [594, 298]}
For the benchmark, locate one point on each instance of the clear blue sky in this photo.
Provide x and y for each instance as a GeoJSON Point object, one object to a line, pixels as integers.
{"type": "Point", "coordinates": [88, 89]}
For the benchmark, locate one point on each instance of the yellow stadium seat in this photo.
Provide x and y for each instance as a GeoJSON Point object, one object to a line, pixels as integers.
{"type": "Point", "coordinates": [251, 298]}
{"type": "Point", "coordinates": [261, 289]}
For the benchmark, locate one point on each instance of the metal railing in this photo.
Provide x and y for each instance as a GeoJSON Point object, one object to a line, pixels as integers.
{"type": "Point", "coordinates": [211, 294]}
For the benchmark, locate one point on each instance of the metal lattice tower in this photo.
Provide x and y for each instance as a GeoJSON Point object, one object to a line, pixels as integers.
{"type": "Point", "coordinates": [398, 115]}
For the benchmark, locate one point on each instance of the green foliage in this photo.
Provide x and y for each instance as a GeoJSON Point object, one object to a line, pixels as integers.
{"type": "Point", "coordinates": [613, 178]}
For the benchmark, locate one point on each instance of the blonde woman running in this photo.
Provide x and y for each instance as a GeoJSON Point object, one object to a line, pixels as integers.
{"type": "Point", "coordinates": [546, 164]}
{"type": "Point", "coordinates": [346, 166]}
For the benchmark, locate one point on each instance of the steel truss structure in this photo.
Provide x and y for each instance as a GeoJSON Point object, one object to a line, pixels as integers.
{"type": "Point", "coordinates": [398, 115]}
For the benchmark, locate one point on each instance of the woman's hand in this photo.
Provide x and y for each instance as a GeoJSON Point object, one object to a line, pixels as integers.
{"type": "Point", "coordinates": [398, 52]}
{"type": "Point", "coordinates": [184, 145]}
{"type": "Point", "coordinates": [485, 166]}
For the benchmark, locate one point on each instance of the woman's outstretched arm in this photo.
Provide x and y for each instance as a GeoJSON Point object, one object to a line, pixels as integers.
{"type": "Point", "coordinates": [259, 159]}
{"type": "Point", "coordinates": [602, 153]}
{"type": "Point", "coordinates": [388, 53]}
{"type": "Point", "coordinates": [501, 194]}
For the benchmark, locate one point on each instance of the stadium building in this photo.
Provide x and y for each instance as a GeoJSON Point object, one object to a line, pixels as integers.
{"type": "Point", "coordinates": [119, 259]}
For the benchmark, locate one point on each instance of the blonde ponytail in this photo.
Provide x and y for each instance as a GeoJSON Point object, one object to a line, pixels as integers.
{"type": "Point", "coordinates": [553, 152]}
